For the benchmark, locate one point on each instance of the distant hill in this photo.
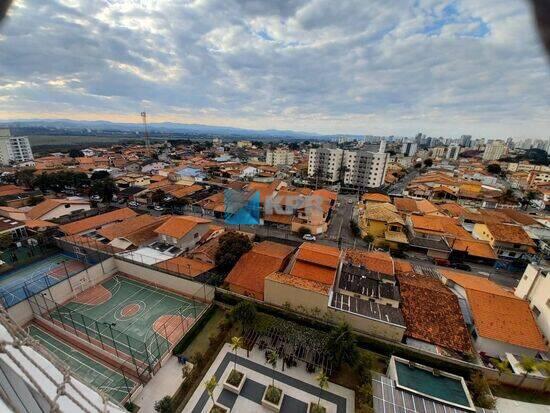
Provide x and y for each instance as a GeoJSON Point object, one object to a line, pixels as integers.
{"type": "Point", "coordinates": [163, 127]}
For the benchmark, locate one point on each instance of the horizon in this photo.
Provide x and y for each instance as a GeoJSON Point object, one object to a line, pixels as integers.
{"type": "Point", "coordinates": [310, 66]}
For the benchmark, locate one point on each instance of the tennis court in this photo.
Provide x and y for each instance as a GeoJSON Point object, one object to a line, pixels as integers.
{"type": "Point", "coordinates": [94, 373]}
{"type": "Point", "coordinates": [31, 279]}
{"type": "Point", "coordinates": [129, 317]}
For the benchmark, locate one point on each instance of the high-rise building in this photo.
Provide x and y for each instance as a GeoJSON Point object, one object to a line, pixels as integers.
{"type": "Point", "coordinates": [438, 152]}
{"type": "Point", "coordinates": [279, 156]}
{"type": "Point", "coordinates": [466, 141]}
{"type": "Point", "coordinates": [452, 152]}
{"type": "Point", "coordinates": [494, 151]}
{"type": "Point", "coordinates": [14, 149]}
{"type": "Point", "coordinates": [365, 168]}
{"type": "Point", "coordinates": [409, 148]}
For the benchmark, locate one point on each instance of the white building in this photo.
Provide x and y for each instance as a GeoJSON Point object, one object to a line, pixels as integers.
{"type": "Point", "coordinates": [452, 152]}
{"type": "Point", "coordinates": [15, 149]}
{"type": "Point", "coordinates": [534, 287]}
{"type": "Point", "coordinates": [494, 151]}
{"type": "Point", "coordinates": [279, 156]}
{"type": "Point", "coordinates": [438, 152]}
{"type": "Point", "coordinates": [409, 148]}
{"type": "Point", "coordinates": [358, 169]}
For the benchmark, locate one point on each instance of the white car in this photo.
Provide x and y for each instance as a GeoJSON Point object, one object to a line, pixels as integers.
{"type": "Point", "coordinates": [133, 204]}
{"type": "Point", "coordinates": [309, 237]}
{"type": "Point", "coordinates": [350, 201]}
{"type": "Point", "coordinates": [158, 208]}
{"type": "Point", "coordinates": [95, 198]}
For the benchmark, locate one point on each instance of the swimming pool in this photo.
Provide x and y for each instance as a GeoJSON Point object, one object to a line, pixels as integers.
{"type": "Point", "coordinates": [426, 381]}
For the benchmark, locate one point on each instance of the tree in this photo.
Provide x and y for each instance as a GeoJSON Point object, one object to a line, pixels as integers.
{"type": "Point", "coordinates": [501, 365]}
{"type": "Point", "coordinates": [529, 365]}
{"type": "Point", "coordinates": [99, 175]}
{"type": "Point", "coordinates": [157, 196]}
{"type": "Point", "coordinates": [368, 239]}
{"type": "Point", "coordinates": [507, 196]}
{"type": "Point", "coordinates": [76, 153]}
{"type": "Point", "coordinates": [236, 343]}
{"type": "Point", "coordinates": [232, 246]}
{"type": "Point", "coordinates": [494, 168]}
{"type": "Point", "coordinates": [272, 359]}
{"type": "Point", "coordinates": [417, 165]}
{"type": "Point", "coordinates": [211, 386]}
{"type": "Point", "coordinates": [164, 405]}
{"type": "Point", "coordinates": [303, 231]}
{"type": "Point", "coordinates": [428, 163]}
{"type": "Point", "coordinates": [25, 177]}
{"type": "Point", "coordinates": [5, 240]}
{"type": "Point", "coordinates": [105, 188]}
{"type": "Point", "coordinates": [342, 345]}
{"type": "Point", "coordinates": [354, 228]}
{"type": "Point", "coordinates": [322, 381]}
{"type": "Point", "coordinates": [245, 313]}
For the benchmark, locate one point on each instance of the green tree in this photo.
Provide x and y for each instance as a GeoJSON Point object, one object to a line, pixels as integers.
{"type": "Point", "coordinates": [232, 246]}
{"type": "Point", "coordinates": [342, 345]}
{"type": "Point", "coordinates": [5, 240]}
{"type": "Point", "coordinates": [245, 313]}
{"type": "Point", "coordinates": [417, 165]}
{"type": "Point", "coordinates": [303, 231]}
{"type": "Point", "coordinates": [105, 188]}
{"type": "Point", "coordinates": [529, 365]}
{"type": "Point", "coordinates": [494, 168]}
{"type": "Point", "coordinates": [272, 359]}
{"type": "Point", "coordinates": [368, 239]}
{"type": "Point", "coordinates": [211, 386]}
{"type": "Point", "coordinates": [354, 228]}
{"type": "Point", "coordinates": [502, 366]}
{"type": "Point", "coordinates": [164, 405]}
{"type": "Point", "coordinates": [25, 177]}
{"type": "Point", "coordinates": [76, 153]}
{"type": "Point", "coordinates": [322, 381]}
{"type": "Point", "coordinates": [101, 174]}
{"type": "Point", "coordinates": [428, 163]}
{"type": "Point", "coordinates": [236, 344]}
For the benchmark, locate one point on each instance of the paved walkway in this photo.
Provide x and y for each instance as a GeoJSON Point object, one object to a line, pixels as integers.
{"type": "Point", "coordinates": [299, 387]}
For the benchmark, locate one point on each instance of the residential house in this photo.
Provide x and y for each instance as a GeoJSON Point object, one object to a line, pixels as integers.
{"type": "Point", "coordinates": [382, 222]}
{"type": "Point", "coordinates": [56, 208]}
{"type": "Point", "coordinates": [247, 276]}
{"type": "Point", "coordinates": [96, 222]}
{"type": "Point", "coordinates": [375, 198]}
{"type": "Point", "coordinates": [16, 230]}
{"type": "Point", "coordinates": [183, 232]}
{"type": "Point", "coordinates": [131, 233]}
{"type": "Point", "coordinates": [499, 321]}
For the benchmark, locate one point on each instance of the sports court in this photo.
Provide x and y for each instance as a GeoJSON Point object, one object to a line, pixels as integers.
{"type": "Point", "coordinates": [96, 374]}
{"type": "Point", "coordinates": [36, 277]}
{"type": "Point", "coordinates": [130, 317]}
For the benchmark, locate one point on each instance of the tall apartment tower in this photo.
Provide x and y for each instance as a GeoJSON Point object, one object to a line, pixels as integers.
{"type": "Point", "coordinates": [452, 152]}
{"type": "Point", "coordinates": [14, 149]}
{"type": "Point", "coordinates": [466, 141]}
{"type": "Point", "coordinates": [356, 169]}
{"type": "Point", "coordinates": [409, 148]}
{"type": "Point", "coordinates": [279, 156]}
{"type": "Point", "coordinates": [494, 151]}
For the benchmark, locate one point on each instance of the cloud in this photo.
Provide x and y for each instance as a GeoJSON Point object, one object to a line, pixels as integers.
{"type": "Point", "coordinates": [445, 68]}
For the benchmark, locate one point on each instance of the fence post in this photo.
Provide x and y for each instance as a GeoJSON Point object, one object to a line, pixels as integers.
{"type": "Point", "coordinates": [130, 348]}
{"type": "Point", "coordinates": [99, 335]}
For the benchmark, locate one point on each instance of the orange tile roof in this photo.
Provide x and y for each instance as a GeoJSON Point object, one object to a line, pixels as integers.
{"type": "Point", "coordinates": [38, 223]}
{"type": "Point", "coordinates": [319, 254]}
{"type": "Point", "coordinates": [373, 260]}
{"type": "Point", "coordinates": [452, 209]}
{"type": "Point", "coordinates": [313, 272]}
{"type": "Point", "coordinates": [179, 226]}
{"type": "Point", "coordinates": [97, 221]}
{"type": "Point", "coordinates": [252, 268]}
{"type": "Point", "coordinates": [299, 282]}
{"type": "Point", "coordinates": [185, 266]}
{"type": "Point", "coordinates": [10, 190]}
{"type": "Point", "coordinates": [402, 266]}
{"type": "Point", "coordinates": [519, 217]}
{"type": "Point", "coordinates": [48, 205]}
{"type": "Point", "coordinates": [130, 225]}
{"type": "Point", "coordinates": [513, 234]}
{"type": "Point", "coordinates": [506, 319]}
{"type": "Point", "coordinates": [474, 282]}
{"type": "Point", "coordinates": [475, 248]}
{"type": "Point", "coordinates": [373, 197]}
{"type": "Point", "coordinates": [432, 313]}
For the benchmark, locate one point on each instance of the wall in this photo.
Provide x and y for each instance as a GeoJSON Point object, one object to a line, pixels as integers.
{"type": "Point", "coordinates": [61, 211]}
{"type": "Point", "coordinates": [499, 348]}
{"type": "Point", "coordinates": [171, 282]}
{"type": "Point", "coordinates": [279, 294]}
{"type": "Point", "coordinates": [534, 287]}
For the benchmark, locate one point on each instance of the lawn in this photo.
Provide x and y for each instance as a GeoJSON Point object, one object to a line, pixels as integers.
{"type": "Point", "coordinates": [513, 393]}
{"type": "Point", "coordinates": [201, 341]}
{"type": "Point", "coordinates": [347, 377]}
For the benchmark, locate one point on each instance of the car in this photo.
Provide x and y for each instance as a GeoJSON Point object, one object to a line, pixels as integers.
{"type": "Point", "coordinates": [461, 266]}
{"type": "Point", "coordinates": [133, 204]}
{"type": "Point", "coordinates": [350, 201]}
{"type": "Point", "coordinates": [95, 198]}
{"type": "Point", "coordinates": [158, 208]}
{"type": "Point", "coordinates": [309, 237]}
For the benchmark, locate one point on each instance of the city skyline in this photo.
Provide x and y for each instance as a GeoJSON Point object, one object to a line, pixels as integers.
{"type": "Point", "coordinates": [445, 69]}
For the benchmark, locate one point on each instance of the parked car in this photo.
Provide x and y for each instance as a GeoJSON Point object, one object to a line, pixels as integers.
{"type": "Point", "coordinates": [309, 237]}
{"type": "Point", "coordinates": [95, 198]}
{"type": "Point", "coordinates": [461, 266]}
{"type": "Point", "coordinates": [133, 204]}
{"type": "Point", "coordinates": [158, 208]}
{"type": "Point", "coordinates": [442, 262]}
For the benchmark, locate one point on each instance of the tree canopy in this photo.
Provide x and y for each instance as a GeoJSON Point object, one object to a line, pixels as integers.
{"type": "Point", "coordinates": [232, 246]}
{"type": "Point", "coordinates": [494, 168]}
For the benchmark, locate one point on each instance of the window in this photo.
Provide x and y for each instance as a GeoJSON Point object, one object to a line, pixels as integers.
{"type": "Point", "coordinates": [536, 311]}
{"type": "Point", "coordinates": [196, 235]}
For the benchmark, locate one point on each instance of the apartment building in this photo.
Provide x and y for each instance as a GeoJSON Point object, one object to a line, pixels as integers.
{"type": "Point", "coordinates": [534, 287]}
{"type": "Point", "coordinates": [438, 152]}
{"type": "Point", "coordinates": [409, 148]}
{"type": "Point", "coordinates": [365, 168]}
{"type": "Point", "coordinates": [494, 151]}
{"type": "Point", "coordinates": [279, 156]}
{"type": "Point", "coordinates": [14, 149]}
{"type": "Point", "coordinates": [452, 152]}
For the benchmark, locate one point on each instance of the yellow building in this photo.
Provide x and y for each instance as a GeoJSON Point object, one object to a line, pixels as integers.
{"type": "Point", "coordinates": [383, 224]}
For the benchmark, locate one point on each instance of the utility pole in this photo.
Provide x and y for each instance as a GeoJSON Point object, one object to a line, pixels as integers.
{"type": "Point", "coordinates": [145, 133]}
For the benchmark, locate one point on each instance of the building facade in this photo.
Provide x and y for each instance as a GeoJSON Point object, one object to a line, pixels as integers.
{"type": "Point", "coordinates": [494, 151]}
{"type": "Point", "coordinates": [452, 152]}
{"type": "Point", "coordinates": [279, 157]}
{"type": "Point", "coordinates": [14, 149]}
{"type": "Point", "coordinates": [534, 287]}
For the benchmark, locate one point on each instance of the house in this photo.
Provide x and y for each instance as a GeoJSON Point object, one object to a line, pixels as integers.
{"type": "Point", "coordinates": [16, 230]}
{"type": "Point", "coordinates": [56, 208]}
{"type": "Point", "coordinates": [374, 198]}
{"type": "Point", "coordinates": [183, 232]}
{"type": "Point", "coordinates": [382, 222]}
{"type": "Point", "coordinates": [433, 316]}
{"type": "Point", "coordinates": [534, 287]}
{"type": "Point", "coordinates": [187, 267]}
{"type": "Point", "coordinates": [510, 242]}
{"type": "Point", "coordinates": [133, 232]}
{"type": "Point", "coordinates": [409, 206]}
{"type": "Point", "coordinates": [499, 321]}
{"type": "Point", "coordinates": [96, 222]}
{"type": "Point", "coordinates": [13, 213]}
{"type": "Point", "coordinates": [247, 276]}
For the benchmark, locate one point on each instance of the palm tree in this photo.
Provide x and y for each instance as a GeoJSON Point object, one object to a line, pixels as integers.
{"type": "Point", "coordinates": [501, 365]}
{"type": "Point", "coordinates": [272, 360]}
{"type": "Point", "coordinates": [528, 364]}
{"type": "Point", "coordinates": [342, 345]}
{"type": "Point", "coordinates": [322, 381]}
{"type": "Point", "coordinates": [211, 386]}
{"type": "Point", "coordinates": [236, 343]}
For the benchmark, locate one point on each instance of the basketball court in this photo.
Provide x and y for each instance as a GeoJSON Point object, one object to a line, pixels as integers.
{"type": "Point", "coordinates": [36, 277]}
{"type": "Point", "coordinates": [94, 373]}
{"type": "Point", "coordinates": [129, 317]}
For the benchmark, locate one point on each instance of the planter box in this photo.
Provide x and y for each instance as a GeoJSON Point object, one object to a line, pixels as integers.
{"type": "Point", "coordinates": [272, 406]}
{"type": "Point", "coordinates": [220, 408]}
{"type": "Point", "coordinates": [234, 389]}
{"type": "Point", "coordinates": [312, 405]}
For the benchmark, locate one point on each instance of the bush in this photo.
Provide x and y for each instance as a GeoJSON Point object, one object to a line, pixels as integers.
{"type": "Point", "coordinates": [164, 405]}
{"type": "Point", "coordinates": [481, 393]}
{"type": "Point", "coordinates": [317, 408]}
{"type": "Point", "coordinates": [273, 394]}
{"type": "Point", "coordinates": [354, 228]}
{"type": "Point", "coordinates": [303, 231]}
{"type": "Point", "coordinates": [235, 378]}
{"type": "Point", "coordinates": [232, 246]}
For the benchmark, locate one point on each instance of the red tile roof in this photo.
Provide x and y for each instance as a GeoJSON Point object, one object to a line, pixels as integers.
{"type": "Point", "coordinates": [179, 226]}
{"type": "Point", "coordinates": [97, 221]}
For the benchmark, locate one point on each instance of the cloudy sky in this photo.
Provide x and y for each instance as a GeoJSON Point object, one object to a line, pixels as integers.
{"type": "Point", "coordinates": [348, 66]}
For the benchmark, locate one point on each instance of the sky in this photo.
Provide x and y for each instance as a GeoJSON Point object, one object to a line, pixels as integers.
{"type": "Point", "coordinates": [444, 68]}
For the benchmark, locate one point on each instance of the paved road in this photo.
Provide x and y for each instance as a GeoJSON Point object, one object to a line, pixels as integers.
{"type": "Point", "coordinates": [398, 187]}
{"type": "Point", "coordinates": [339, 226]}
